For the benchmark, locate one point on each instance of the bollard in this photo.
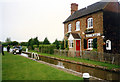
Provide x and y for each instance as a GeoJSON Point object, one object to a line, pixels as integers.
{"type": "Point", "coordinates": [32, 55]}
{"type": "Point", "coordinates": [35, 55]}
{"type": "Point", "coordinates": [26, 49]}
{"type": "Point", "coordinates": [38, 57]}
{"type": "Point", "coordinates": [86, 77]}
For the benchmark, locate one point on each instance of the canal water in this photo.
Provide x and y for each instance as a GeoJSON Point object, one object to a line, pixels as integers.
{"type": "Point", "coordinates": [102, 74]}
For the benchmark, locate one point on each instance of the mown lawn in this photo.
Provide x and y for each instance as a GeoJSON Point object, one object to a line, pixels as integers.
{"type": "Point", "coordinates": [109, 66]}
{"type": "Point", "coordinates": [15, 67]}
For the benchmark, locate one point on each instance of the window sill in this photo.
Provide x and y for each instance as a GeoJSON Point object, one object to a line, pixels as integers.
{"type": "Point", "coordinates": [69, 32]}
{"type": "Point", "coordinates": [108, 48]}
{"type": "Point", "coordinates": [70, 47]}
{"type": "Point", "coordinates": [77, 30]}
{"type": "Point", "coordinates": [89, 27]}
{"type": "Point", "coordinates": [89, 49]}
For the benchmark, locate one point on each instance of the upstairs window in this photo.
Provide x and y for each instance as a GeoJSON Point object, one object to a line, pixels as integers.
{"type": "Point", "coordinates": [108, 45]}
{"type": "Point", "coordinates": [90, 44]}
{"type": "Point", "coordinates": [77, 25]}
{"type": "Point", "coordinates": [90, 23]}
{"type": "Point", "coordinates": [69, 28]}
{"type": "Point", "coordinates": [70, 43]}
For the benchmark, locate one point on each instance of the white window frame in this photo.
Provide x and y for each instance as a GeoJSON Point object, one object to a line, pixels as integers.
{"type": "Point", "coordinates": [90, 44]}
{"type": "Point", "coordinates": [89, 23]}
{"type": "Point", "coordinates": [78, 26]}
{"type": "Point", "coordinates": [69, 28]}
{"type": "Point", "coordinates": [108, 45]}
{"type": "Point", "coordinates": [70, 43]}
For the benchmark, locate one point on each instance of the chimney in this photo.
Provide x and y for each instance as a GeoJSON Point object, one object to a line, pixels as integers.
{"type": "Point", "coordinates": [74, 7]}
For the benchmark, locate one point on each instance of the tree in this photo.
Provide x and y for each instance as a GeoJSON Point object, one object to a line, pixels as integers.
{"type": "Point", "coordinates": [8, 40]}
{"type": "Point", "coordinates": [14, 43]}
{"type": "Point", "coordinates": [57, 44]}
{"type": "Point", "coordinates": [36, 41]}
{"type": "Point", "coordinates": [24, 43]}
{"type": "Point", "coordinates": [62, 44]}
{"type": "Point", "coordinates": [46, 41]}
{"type": "Point", "coordinates": [31, 43]}
{"type": "Point", "coordinates": [40, 42]}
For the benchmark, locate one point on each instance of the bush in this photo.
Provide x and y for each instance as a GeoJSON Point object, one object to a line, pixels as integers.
{"type": "Point", "coordinates": [24, 48]}
{"type": "Point", "coordinates": [47, 48]}
{"type": "Point", "coordinates": [35, 46]}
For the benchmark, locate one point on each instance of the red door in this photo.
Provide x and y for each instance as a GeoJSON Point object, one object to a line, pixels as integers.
{"type": "Point", "coordinates": [77, 47]}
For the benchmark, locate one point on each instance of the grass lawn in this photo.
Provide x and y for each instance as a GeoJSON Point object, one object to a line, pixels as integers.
{"type": "Point", "coordinates": [109, 66]}
{"type": "Point", "coordinates": [15, 67]}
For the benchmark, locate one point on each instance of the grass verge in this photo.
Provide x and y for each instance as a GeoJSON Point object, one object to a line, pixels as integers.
{"type": "Point", "coordinates": [108, 65]}
{"type": "Point", "coordinates": [16, 67]}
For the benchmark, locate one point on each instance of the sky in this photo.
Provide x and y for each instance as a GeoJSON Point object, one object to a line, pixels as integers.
{"type": "Point", "coordinates": [21, 20]}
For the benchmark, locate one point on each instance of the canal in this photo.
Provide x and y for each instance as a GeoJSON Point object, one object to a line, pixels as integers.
{"type": "Point", "coordinates": [99, 73]}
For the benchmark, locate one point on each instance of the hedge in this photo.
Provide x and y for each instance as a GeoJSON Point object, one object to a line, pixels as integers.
{"type": "Point", "coordinates": [46, 48]}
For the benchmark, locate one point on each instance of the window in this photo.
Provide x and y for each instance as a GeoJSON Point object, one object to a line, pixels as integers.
{"type": "Point", "coordinates": [90, 23]}
{"type": "Point", "coordinates": [69, 28]}
{"type": "Point", "coordinates": [90, 44]}
{"type": "Point", "coordinates": [70, 43]}
{"type": "Point", "coordinates": [108, 45]}
{"type": "Point", "coordinates": [77, 25]}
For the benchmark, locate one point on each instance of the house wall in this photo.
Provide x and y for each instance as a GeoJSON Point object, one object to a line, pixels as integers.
{"type": "Point", "coordinates": [74, 44]}
{"type": "Point", "coordinates": [112, 26]}
{"type": "Point", "coordinates": [97, 26]}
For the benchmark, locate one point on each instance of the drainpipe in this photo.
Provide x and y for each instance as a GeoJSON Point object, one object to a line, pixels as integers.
{"type": "Point", "coordinates": [86, 77]}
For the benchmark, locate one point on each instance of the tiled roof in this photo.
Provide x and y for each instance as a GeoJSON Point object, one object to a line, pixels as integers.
{"type": "Point", "coordinates": [87, 10]}
{"type": "Point", "coordinates": [76, 36]}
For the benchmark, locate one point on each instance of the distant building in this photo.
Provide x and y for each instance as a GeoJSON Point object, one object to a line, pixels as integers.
{"type": "Point", "coordinates": [94, 27]}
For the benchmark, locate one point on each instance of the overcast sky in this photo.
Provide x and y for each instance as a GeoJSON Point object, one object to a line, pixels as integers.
{"type": "Point", "coordinates": [24, 19]}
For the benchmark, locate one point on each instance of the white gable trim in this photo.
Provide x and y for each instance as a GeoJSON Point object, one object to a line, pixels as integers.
{"type": "Point", "coordinates": [70, 37]}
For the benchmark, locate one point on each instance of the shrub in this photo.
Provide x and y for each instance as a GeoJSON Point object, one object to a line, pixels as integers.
{"type": "Point", "coordinates": [24, 48]}
{"type": "Point", "coordinates": [47, 48]}
{"type": "Point", "coordinates": [35, 46]}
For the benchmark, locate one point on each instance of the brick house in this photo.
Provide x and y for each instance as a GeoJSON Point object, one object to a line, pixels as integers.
{"type": "Point", "coordinates": [95, 27]}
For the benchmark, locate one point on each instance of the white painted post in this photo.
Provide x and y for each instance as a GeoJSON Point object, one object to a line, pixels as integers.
{"type": "Point", "coordinates": [38, 57]}
{"type": "Point", "coordinates": [32, 55]}
{"type": "Point", "coordinates": [113, 60]}
{"type": "Point", "coordinates": [26, 49]}
{"type": "Point", "coordinates": [35, 55]}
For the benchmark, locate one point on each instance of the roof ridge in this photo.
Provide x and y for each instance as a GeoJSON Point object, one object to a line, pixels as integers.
{"type": "Point", "coordinates": [95, 7]}
{"type": "Point", "coordinates": [106, 5]}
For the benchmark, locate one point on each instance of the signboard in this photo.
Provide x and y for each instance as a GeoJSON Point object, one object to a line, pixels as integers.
{"type": "Point", "coordinates": [92, 35]}
{"type": "Point", "coordinates": [88, 31]}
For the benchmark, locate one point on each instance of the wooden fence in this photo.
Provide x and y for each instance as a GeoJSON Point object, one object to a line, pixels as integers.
{"type": "Point", "coordinates": [91, 55]}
